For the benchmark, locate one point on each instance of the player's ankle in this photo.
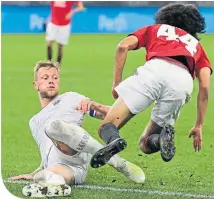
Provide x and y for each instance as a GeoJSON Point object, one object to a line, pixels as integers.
{"type": "Point", "coordinates": [115, 160]}
{"type": "Point", "coordinates": [109, 133]}
{"type": "Point", "coordinates": [154, 143]}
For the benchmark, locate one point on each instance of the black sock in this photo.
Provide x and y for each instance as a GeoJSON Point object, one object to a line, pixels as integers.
{"type": "Point", "coordinates": [154, 143]}
{"type": "Point", "coordinates": [59, 58]}
{"type": "Point", "coordinates": [109, 133]}
{"type": "Point", "coordinates": [49, 53]}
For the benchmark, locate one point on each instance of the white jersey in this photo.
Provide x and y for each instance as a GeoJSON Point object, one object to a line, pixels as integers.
{"type": "Point", "coordinates": [63, 107]}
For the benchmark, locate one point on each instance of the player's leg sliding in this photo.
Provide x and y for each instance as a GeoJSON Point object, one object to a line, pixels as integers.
{"type": "Point", "coordinates": [73, 136]}
{"type": "Point", "coordinates": [110, 135]}
{"type": "Point", "coordinates": [167, 145]}
{"type": "Point", "coordinates": [78, 139]}
{"type": "Point", "coordinates": [47, 184]}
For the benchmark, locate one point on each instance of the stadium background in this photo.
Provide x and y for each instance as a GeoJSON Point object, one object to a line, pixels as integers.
{"type": "Point", "coordinates": [102, 17]}
{"type": "Point", "coordinates": [87, 68]}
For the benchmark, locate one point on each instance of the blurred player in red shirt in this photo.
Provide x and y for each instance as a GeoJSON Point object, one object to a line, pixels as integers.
{"type": "Point", "coordinates": [58, 29]}
{"type": "Point", "coordinates": [174, 57]}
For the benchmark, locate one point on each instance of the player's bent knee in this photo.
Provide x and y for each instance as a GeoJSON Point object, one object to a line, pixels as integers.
{"type": "Point", "coordinates": [60, 45]}
{"type": "Point", "coordinates": [47, 177]}
{"type": "Point", "coordinates": [53, 128]}
{"type": "Point", "coordinates": [49, 43]}
{"type": "Point", "coordinates": [49, 129]}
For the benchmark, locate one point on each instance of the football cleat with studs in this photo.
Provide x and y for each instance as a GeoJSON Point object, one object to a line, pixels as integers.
{"type": "Point", "coordinates": [39, 191]}
{"type": "Point", "coordinates": [102, 156]}
{"type": "Point", "coordinates": [167, 145]}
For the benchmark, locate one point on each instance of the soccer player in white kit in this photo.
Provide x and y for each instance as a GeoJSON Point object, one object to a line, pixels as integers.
{"type": "Point", "coordinates": [65, 147]}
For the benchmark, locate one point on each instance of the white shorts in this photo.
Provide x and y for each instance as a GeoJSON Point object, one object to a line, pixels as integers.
{"type": "Point", "coordinates": [60, 34]}
{"type": "Point", "coordinates": [78, 163]}
{"type": "Point", "coordinates": [167, 82]}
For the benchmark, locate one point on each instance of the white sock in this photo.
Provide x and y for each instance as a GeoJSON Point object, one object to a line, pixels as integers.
{"type": "Point", "coordinates": [74, 136]}
{"type": "Point", "coordinates": [81, 141]}
{"type": "Point", "coordinates": [92, 146]}
{"type": "Point", "coordinates": [89, 145]}
{"type": "Point", "coordinates": [115, 160]}
{"type": "Point", "coordinates": [47, 177]}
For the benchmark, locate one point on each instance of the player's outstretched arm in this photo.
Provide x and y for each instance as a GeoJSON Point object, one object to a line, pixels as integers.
{"type": "Point", "coordinates": [95, 109]}
{"type": "Point", "coordinates": [123, 47]}
{"type": "Point", "coordinates": [202, 103]}
{"type": "Point", "coordinates": [80, 7]}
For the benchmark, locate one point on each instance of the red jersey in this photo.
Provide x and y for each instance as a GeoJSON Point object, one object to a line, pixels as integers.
{"type": "Point", "coordinates": [161, 40]}
{"type": "Point", "coordinates": [59, 9]}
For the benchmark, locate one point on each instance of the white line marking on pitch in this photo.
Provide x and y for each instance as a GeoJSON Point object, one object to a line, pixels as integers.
{"type": "Point", "coordinates": [152, 192]}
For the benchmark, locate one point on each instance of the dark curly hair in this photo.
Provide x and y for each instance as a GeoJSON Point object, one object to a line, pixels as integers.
{"type": "Point", "coordinates": [184, 16]}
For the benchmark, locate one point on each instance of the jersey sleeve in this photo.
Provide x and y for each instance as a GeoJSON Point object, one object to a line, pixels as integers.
{"type": "Point", "coordinates": [202, 63]}
{"type": "Point", "coordinates": [76, 98]}
{"type": "Point", "coordinates": [79, 98]}
{"type": "Point", "coordinates": [31, 124]}
{"type": "Point", "coordinates": [33, 128]}
{"type": "Point", "coordinates": [142, 35]}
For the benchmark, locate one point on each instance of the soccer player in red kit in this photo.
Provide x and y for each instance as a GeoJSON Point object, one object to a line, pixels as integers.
{"type": "Point", "coordinates": [174, 57]}
{"type": "Point", "coordinates": [58, 29]}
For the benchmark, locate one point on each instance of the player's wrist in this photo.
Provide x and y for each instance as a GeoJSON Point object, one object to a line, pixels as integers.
{"type": "Point", "coordinates": [198, 125]}
{"type": "Point", "coordinates": [116, 83]}
{"type": "Point", "coordinates": [92, 113]}
{"type": "Point", "coordinates": [94, 105]}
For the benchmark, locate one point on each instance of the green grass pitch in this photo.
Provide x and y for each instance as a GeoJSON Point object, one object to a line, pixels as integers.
{"type": "Point", "coordinates": [87, 68]}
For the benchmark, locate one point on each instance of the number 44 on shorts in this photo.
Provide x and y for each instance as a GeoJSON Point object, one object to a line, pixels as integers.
{"type": "Point", "coordinates": [170, 33]}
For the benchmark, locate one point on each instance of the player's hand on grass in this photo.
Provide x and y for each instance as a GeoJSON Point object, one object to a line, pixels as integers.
{"type": "Point", "coordinates": [196, 134]}
{"type": "Point", "coordinates": [22, 177]}
{"type": "Point", "coordinates": [85, 105]}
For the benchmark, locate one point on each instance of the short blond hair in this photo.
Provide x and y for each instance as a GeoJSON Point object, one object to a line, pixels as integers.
{"type": "Point", "coordinates": [45, 64]}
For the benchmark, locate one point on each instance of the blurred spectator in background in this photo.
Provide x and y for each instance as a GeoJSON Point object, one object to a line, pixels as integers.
{"type": "Point", "coordinates": [58, 28]}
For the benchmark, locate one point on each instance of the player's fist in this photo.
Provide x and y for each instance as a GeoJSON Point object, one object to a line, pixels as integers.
{"type": "Point", "coordinates": [84, 105]}
{"type": "Point", "coordinates": [22, 177]}
{"type": "Point", "coordinates": [114, 93]}
{"type": "Point", "coordinates": [196, 134]}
